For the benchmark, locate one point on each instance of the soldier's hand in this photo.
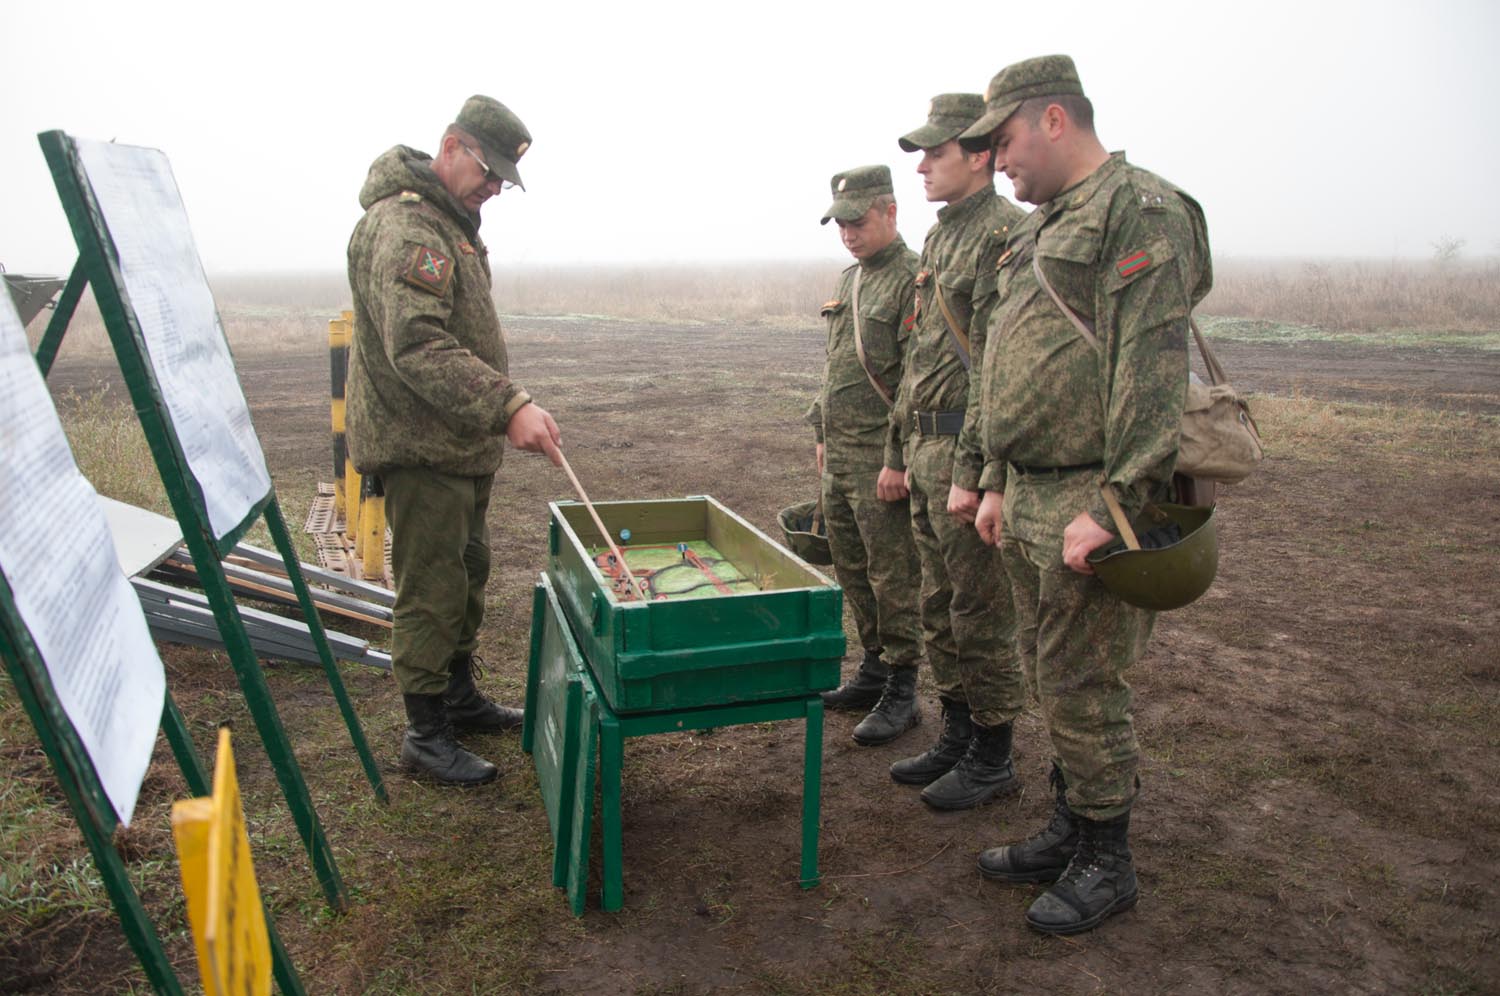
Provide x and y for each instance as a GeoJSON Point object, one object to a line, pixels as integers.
{"type": "Point", "coordinates": [819, 457]}
{"type": "Point", "coordinates": [963, 504]}
{"type": "Point", "coordinates": [891, 485]}
{"type": "Point", "coordinates": [987, 518]}
{"type": "Point", "coordinates": [532, 429]}
{"type": "Point", "coordinates": [1082, 537]}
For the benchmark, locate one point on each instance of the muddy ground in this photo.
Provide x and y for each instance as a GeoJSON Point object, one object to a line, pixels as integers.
{"type": "Point", "coordinates": [1319, 733]}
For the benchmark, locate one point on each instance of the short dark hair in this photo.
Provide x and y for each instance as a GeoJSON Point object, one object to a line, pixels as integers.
{"type": "Point", "coordinates": [1080, 109]}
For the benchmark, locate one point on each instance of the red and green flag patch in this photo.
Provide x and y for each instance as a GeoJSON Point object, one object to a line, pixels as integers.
{"type": "Point", "coordinates": [429, 270]}
{"type": "Point", "coordinates": [1133, 263]}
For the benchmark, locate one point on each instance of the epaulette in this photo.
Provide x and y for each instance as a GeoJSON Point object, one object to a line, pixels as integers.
{"type": "Point", "coordinates": [408, 197]}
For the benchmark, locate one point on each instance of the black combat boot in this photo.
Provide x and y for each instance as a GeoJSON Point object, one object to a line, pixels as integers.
{"type": "Point", "coordinates": [863, 690]}
{"type": "Point", "coordinates": [895, 713]}
{"type": "Point", "coordinates": [429, 748]}
{"type": "Point", "coordinates": [952, 742]}
{"type": "Point", "coordinates": [1099, 881]}
{"type": "Point", "coordinates": [1041, 858]}
{"type": "Point", "coordinates": [469, 711]}
{"type": "Point", "coordinates": [985, 773]}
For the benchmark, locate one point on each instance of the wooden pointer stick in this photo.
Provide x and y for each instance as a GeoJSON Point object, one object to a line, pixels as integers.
{"type": "Point", "coordinates": [619, 557]}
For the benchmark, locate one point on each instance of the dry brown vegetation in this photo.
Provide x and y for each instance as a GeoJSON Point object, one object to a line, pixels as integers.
{"type": "Point", "coordinates": [291, 311]}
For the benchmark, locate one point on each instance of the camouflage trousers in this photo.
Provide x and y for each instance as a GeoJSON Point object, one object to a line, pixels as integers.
{"type": "Point", "coordinates": [876, 565]}
{"type": "Point", "coordinates": [1076, 641]}
{"type": "Point", "coordinates": [440, 555]}
{"type": "Point", "coordinates": [968, 617]}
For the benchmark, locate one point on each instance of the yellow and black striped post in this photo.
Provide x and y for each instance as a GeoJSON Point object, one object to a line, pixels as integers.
{"type": "Point", "coordinates": [369, 547]}
{"type": "Point", "coordinates": [338, 372]}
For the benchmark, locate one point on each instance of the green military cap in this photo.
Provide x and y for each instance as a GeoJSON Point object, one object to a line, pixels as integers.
{"type": "Point", "coordinates": [1044, 76]}
{"type": "Point", "coordinates": [502, 138]}
{"type": "Point", "coordinates": [855, 190]}
{"type": "Point", "coordinates": [947, 116]}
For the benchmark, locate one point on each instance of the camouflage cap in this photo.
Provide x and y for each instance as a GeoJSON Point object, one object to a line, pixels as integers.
{"type": "Point", "coordinates": [1044, 76]}
{"type": "Point", "coordinates": [502, 138]}
{"type": "Point", "coordinates": [947, 116]}
{"type": "Point", "coordinates": [855, 190]}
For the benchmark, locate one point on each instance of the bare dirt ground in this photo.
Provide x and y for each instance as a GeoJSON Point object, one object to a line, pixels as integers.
{"type": "Point", "coordinates": [1319, 732]}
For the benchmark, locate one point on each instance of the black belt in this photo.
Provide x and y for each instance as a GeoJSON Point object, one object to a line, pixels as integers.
{"type": "Point", "coordinates": [938, 423]}
{"type": "Point", "coordinates": [1028, 471]}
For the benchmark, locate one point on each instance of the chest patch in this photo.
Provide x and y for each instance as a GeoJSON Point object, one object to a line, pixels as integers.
{"type": "Point", "coordinates": [1133, 263]}
{"type": "Point", "coordinates": [429, 270]}
{"type": "Point", "coordinates": [922, 277]}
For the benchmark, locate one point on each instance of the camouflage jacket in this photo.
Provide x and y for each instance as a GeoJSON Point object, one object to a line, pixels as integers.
{"type": "Point", "coordinates": [1129, 254]}
{"type": "Point", "coordinates": [957, 261]}
{"type": "Point", "coordinates": [428, 383]}
{"type": "Point", "coordinates": [848, 416]}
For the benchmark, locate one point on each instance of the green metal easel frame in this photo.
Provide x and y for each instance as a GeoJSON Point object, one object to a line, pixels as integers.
{"type": "Point", "coordinates": [91, 807]}
{"type": "Point", "coordinates": [98, 265]}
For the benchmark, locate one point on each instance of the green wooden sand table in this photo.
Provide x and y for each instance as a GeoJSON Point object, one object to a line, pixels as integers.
{"type": "Point", "coordinates": [736, 629]}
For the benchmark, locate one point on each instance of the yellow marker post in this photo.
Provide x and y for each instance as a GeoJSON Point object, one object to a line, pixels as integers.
{"type": "Point", "coordinates": [338, 371]}
{"type": "Point", "coordinates": [223, 899]}
{"type": "Point", "coordinates": [370, 546]}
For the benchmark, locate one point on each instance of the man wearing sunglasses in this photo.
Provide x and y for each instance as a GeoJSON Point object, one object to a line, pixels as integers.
{"type": "Point", "coordinates": [430, 407]}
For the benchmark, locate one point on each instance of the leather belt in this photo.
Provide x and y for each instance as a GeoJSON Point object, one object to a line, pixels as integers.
{"type": "Point", "coordinates": [938, 423]}
{"type": "Point", "coordinates": [1028, 471]}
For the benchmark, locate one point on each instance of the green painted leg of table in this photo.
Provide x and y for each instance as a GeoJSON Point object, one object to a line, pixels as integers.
{"type": "Point", "coordinates": [611, 760]}
{"type": "Point", "coordinates": [812, 791]}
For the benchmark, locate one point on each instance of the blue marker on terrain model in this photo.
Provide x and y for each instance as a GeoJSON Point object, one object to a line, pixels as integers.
{"type": "Point", "coordinates": [624, 535]}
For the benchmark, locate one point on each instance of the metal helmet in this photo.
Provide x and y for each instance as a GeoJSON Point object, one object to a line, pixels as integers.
{"type": "Point", "coordinates": [805, 533]}
{"type": "Point", "coordinates": [1169, 575]}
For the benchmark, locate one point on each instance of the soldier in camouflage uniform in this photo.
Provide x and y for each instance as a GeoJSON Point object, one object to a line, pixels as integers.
{"type": "Point", "coordinates": [1058, 420]}
{"type": "Point", "coordinates": [869, 321]}
{"type": "Point", "coordinates": [430, 407]}
{"type": "Point", "coordinates": [968, 623]}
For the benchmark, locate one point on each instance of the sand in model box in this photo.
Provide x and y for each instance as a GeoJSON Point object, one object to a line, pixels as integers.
{"type": "Point", "coordinates": [668, 572]}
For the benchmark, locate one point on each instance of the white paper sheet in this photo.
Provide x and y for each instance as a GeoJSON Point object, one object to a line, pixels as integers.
{"type": "Point", "coordinates": [166, 287]}
{"type": "Point", "coordinates": [57, 556]}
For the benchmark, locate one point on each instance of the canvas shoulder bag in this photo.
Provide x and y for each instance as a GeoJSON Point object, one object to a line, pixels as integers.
{"type": "Point", "coordinates": [1220, 441]}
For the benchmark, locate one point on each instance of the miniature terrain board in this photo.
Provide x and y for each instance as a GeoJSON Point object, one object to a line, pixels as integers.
{"type": "Point", "coordinates": [780, 638]}
{"type": "Point", "coordinates": [674, 570]}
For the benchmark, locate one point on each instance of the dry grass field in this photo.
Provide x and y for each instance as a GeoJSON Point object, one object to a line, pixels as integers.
{"type": "Point", "coordinates": [1319, 732]}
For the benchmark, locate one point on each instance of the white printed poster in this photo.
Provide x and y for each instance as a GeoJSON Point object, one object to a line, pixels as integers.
{"type": "Point", "coordinates": [59, 561]}
{"type": "Point", "coordinates": [165, 285]}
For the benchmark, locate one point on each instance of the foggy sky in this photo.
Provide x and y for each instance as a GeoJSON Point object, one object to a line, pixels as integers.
{"type": "Point", "coordinates": [691, 131]}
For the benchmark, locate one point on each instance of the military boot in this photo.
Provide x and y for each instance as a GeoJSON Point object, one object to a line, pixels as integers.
{"type": "Point", "coordinates": [895, 713]}
{"type": "Point", "coordinates": [863, 690]}
{"type": "Point", "coordinates": [429, 748]}
{"type": "Point", "coordinates": [468, 710]}
{"type": "Point", "coordinates": [984, 773]}
{"type": "Point", "coordinates": [1041, 858]}
{"type": "Point", "coordinates": [952, 742]}
{"type": "Point", "coordinates": [1099, 881]}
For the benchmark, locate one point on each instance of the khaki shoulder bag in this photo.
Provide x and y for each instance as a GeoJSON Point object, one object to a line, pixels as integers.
{"type": "Point", "coordinates": [1220, 441]}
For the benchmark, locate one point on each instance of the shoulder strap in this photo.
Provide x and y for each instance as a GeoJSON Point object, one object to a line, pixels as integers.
{"type": "Point", "coordinates": [960, 338]}
{"type": "Point", "coordinates": [1215, 370]}
{"type": "Point", "coordinates": [859, 346]}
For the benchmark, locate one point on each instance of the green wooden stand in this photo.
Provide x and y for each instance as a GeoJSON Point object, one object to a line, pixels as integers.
{"type": "Point", "coordinates": [560, 736]}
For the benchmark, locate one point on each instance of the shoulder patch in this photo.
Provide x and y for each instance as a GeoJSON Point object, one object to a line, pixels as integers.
{"type": "Point", "coordinates": [1133, 263]}
{"type": "Point", "coordinates": [429, 270]}
{"type": "Point", "coordinates": [408, 197]}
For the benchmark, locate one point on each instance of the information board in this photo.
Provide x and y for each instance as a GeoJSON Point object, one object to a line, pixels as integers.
{"type": "Point", "coordinates": [185, 345]}
{"type": "Point", "coordinates": [59, 562]}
